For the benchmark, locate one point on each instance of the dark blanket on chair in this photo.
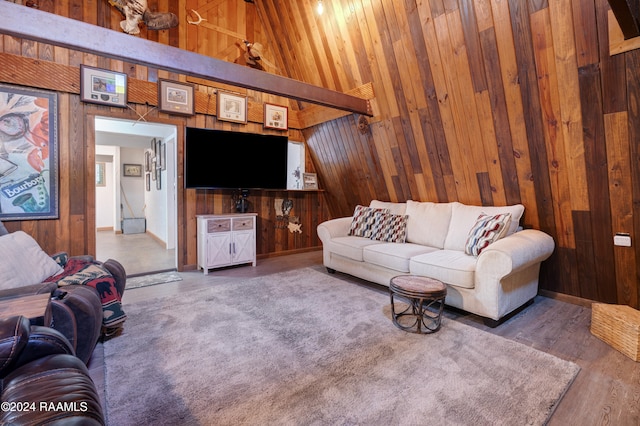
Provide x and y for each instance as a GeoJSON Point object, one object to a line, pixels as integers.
{"type": "Point", "coordinates": [92, 273]}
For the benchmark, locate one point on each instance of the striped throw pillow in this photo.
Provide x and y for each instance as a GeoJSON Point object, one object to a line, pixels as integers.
{"type": "Point", "coordinates": [363, 221]}
{"type": "Point", "coordinates": [487, 229]}
{"type": "Point", "coordinates": [390, 227]}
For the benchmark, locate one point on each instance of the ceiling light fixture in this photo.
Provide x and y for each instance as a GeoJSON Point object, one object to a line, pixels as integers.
{"type": "Point", "coordinates": [320, 7]}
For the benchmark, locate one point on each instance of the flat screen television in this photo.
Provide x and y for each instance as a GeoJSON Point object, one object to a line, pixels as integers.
{"type": "Point", "coordinates": [234, 160]}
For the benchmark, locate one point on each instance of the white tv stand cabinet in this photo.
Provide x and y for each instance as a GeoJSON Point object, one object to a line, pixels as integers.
{"type": "Point", "coordinates": [226, 239]}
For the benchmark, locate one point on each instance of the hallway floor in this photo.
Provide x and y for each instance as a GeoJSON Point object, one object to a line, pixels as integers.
{"type": "Point", "coordinates": [138, 253]}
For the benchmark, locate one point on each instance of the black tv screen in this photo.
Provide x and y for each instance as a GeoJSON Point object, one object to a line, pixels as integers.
{"type": "Point", "coordinates": [234, 160]}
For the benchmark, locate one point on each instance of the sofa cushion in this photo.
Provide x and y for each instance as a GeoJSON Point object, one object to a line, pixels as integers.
{"type": "Point", "coordinates": [363, 221]}
{"type": "Point", "coordinates": [23, 261]}
{"type": "Point", "coordinates": [452, 267]}
{"type": "Point", "coordinates": [464, 217]}
{"type": "Point", "coordinates": [428, 223]}
{"type": "Point", "coordinates": [394, 208]}
{"type": "Point", "coordinates": [394, 256]}
{"type": "Point", "coordinates": [350, 247]}
{"type": "Point", "coordinates": [389, 227]}
{"type": "Point", "coordinates": [486, 230]}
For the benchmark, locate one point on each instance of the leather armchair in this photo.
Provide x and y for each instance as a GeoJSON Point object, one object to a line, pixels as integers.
{"type": "Point", "coordinates": [43, 382]}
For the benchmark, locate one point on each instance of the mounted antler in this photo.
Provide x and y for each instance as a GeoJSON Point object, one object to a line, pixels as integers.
{"type": "Point", "coordinates": [200, 18]}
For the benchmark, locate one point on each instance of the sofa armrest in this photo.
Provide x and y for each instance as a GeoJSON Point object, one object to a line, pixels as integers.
{"type": "Point", "coordinates": [334, 228]}
{"type": "Point", "coordinates": [515, 252]}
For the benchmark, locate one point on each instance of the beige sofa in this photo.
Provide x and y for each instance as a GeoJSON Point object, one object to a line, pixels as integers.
{"type": "Point", "coordinates": [493, 284]}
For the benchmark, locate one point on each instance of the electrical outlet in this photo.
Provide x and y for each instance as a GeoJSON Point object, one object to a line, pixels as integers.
{"type": "Point", "coordinates": [622, 239]}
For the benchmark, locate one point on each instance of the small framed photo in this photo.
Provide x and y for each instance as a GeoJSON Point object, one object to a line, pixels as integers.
{"type": "Point", "coordinates": [276, 117]}
{"type": "Point", "coordinates": [309, 181]}
{"type": "Point", "coordinates": [104, 87]}
{"type": "Point", "coordinates": [148, 181]}
{"type": "Point", "coordinates": [175, 97]}
{"type": "Point", "coordinates": [158, 150]}
{"type": "Point", "coordinates": [232, 107]}
{"type": "Point", "coordinates": [147, 160]}
{"type": "Point", "coordinates": [132, 170]}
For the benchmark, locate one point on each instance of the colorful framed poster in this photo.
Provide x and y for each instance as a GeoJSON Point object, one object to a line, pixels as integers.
{"type": "Point", "coordinates": [103, 87]}
{"type": "Point", "coordinates": [28, 154]}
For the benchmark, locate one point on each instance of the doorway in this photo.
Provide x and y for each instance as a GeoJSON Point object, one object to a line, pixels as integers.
{"type": "Point", "coordinates": [136, 199]}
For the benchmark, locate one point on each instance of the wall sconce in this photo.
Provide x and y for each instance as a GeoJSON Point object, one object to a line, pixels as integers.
{"type": "Point", "coordinates": [319, 7]}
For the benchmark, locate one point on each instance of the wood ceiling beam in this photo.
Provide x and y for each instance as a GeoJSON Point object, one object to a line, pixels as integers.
{"type": "Point", "coordinates": [627, 12]}
{"type": "Point", "coordinates": [24, 22]}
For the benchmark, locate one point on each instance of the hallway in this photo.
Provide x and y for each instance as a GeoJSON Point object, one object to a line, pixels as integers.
{"type": "Point", "coordinates": [138, 253]}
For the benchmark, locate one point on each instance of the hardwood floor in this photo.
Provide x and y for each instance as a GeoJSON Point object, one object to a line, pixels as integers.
{"type": "Point", "coordinates": [605, 392]}
{"type": "Point", "coordinates": [138, 253]}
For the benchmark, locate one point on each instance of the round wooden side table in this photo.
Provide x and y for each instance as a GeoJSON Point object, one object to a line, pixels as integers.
{"type": "Point", "coordinates": [425, 303]}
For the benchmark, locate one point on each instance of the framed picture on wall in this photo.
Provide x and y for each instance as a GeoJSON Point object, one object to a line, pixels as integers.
{"type": "Point", "coordinates": [104, 87]}
{"type": "Point", "coordinates": [175, 97]}
{"type": "Point", "coordinates": [29, 164]}
{"type": "Point", "coordinates": [310, 181]}
{"type": "Point", "coordinates": [232, 107]}
{"type": "Point", "coordinates": [276, 117]}
{"type": "Point", "coordinates": [132, 170]}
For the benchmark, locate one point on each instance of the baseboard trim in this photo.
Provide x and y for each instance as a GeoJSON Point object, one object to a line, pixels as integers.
{"type": "Point", "coordinates": [156, 238]}
{"type": "Point", "coordinates": [287, 252]}
{"type": "Point", "coordinates": [574, 300]}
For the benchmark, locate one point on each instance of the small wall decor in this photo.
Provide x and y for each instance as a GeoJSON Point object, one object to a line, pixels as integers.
{"type": "Point", "coordinates": [276, 117]}
{"type": "Point", "coordinates": [132, 170]}
{"type": "Point", "coordinates": [309, 181]}
{"type": "Point", "coordinates": [29, 160]}
{"type": "Point", "coordinates": [175, 97]}
{"type": "Point", "coordinates": [104, 87]}
{"type": "Point", "coordinates": [232, 107]}
{"type": "Point", "coordinates": [148, 181]}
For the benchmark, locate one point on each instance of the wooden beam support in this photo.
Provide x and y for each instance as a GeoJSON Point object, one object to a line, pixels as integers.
{"type": "Point", "coordinates": [627, 14]}
{"type": "Point", "coordinates": [24, 22]}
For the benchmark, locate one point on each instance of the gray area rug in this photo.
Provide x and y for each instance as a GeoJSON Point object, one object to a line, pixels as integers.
{"type": "Point", "coordinates": [305, 348]}
{"type": "Point", "coordinates": [152, 279]}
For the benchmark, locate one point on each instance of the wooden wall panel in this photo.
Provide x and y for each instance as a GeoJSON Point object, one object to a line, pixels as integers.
{"type": "Point", "coordinates": [480, 101]}
{"type": "Point", "coordinates": [511, 98]}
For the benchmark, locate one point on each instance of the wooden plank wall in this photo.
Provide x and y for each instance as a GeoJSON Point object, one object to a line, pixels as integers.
{"type": "Point", "coordinates": [40, 65]}
{"type": "Point", "coordinates": [487, 102]}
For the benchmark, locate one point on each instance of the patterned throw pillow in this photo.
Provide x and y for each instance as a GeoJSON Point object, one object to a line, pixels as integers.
{"type": "Point", "coordinates": [487, 229]}
{"type": "Point", "coordinates": [363, 221]}
{"type": "Point", "coordinates": [390, 227]}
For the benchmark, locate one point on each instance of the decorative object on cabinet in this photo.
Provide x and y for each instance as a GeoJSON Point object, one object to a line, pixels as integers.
{"type": "Point", "coordinates": [225, 240]}
{"type": "Point", "coordinates": [103, 87]}
{"type": "Point", "coordinates": [29, 164]}
{"type": "Point", "coordinates": [232, 107]}
{"type": "Point", "coordinates": [175, 97]}
{"type": "Point", "coordinates": [310, 181]}
{"type": "Point", "coordinates": [276, 117]}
